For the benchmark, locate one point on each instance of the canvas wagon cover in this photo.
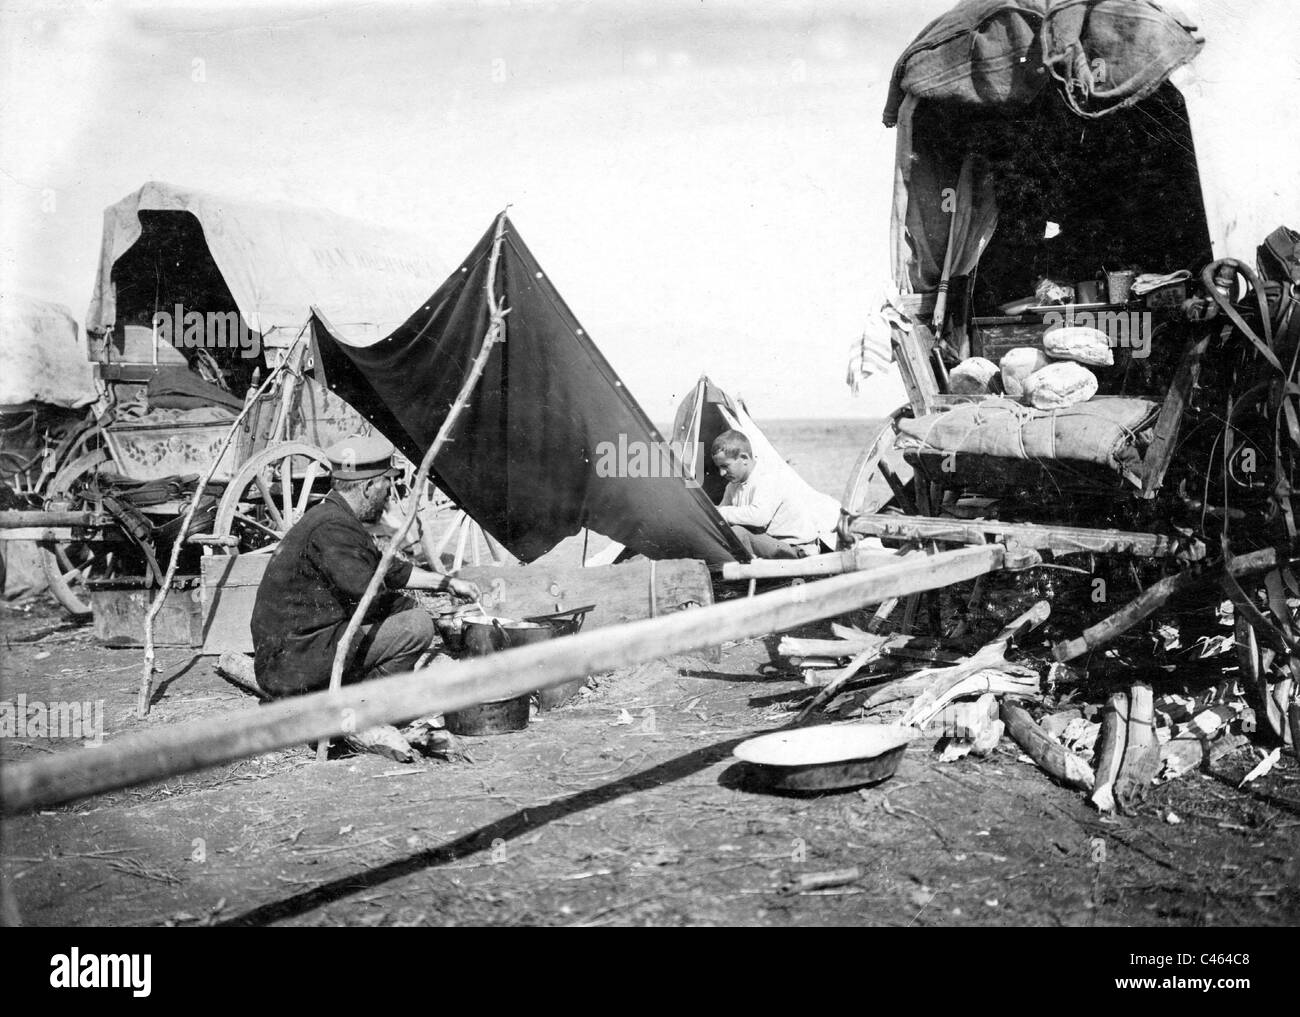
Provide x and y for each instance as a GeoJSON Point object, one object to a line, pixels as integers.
{"type": "Point", "coordinates": [530, 454]}
{"type": "Point", "coordinates": [278, 260]}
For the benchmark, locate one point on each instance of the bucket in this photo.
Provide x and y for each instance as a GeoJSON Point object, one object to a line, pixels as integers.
{"type": "Point", "coordinates": [1119, 285]}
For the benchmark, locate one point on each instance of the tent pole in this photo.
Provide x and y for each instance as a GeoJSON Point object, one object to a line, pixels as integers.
{"type": "Point", "coordinates": [495, 334]}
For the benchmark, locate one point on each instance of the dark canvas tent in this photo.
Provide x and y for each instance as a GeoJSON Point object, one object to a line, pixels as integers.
{"type": "Point", "coordinates": [530, 454]}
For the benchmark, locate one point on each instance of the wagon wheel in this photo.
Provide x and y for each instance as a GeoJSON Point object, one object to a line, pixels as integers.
{"type": "Point", "coordinates": [69, 565]}
{"type": "Point", "coordinates": [270, 493]}
{"type": "Point", "coordinates": [468, 539]}
{"type": "Point", "coordinates": [878, 480]}
{"type": "Point", "coordinates": [867, 489]}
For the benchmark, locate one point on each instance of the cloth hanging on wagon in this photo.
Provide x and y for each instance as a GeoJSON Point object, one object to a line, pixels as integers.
{"type": "Point", "coordinates": [1107, 431]}
{"type": "Point", "coordinates": [551, 440]}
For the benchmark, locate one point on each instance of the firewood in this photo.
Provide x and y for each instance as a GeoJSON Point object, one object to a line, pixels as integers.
{"type": "Point", "coordinates": [949, 683]}
{"type": "Point", "coordinates": [1055, 759]}
{"type": "Point", "coordinates": [1114, 733]}
{"type": "Point", "coordinates": [1141, 750]}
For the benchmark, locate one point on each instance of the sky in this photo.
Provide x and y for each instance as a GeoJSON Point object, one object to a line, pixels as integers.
{"type": "Point", "coordinates": [707, 183]}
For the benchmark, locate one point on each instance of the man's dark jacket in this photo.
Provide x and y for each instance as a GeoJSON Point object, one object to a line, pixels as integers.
{"type": "Point", "coordinates": [308, 593]}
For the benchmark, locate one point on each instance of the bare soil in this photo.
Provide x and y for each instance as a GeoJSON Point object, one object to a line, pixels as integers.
{"type": "Point", "coordinates": [586, 818]}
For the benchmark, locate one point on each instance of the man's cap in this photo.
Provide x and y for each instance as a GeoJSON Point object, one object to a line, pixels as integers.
{"type": "Point", "coordinates": [361, 457]}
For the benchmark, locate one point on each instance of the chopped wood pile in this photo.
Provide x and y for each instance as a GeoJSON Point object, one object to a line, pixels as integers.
{"type": "Point", "coordinates": [974, 699]}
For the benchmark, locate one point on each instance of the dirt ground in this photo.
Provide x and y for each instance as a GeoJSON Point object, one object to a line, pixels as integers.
{"type": "Point", "coordinates": [625, 807]}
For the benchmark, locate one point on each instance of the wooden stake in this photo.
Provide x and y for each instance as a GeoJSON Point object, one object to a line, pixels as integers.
{"type": "Point", "coordinates": [146, 677]}
{"type": "Point", "coordinates": [183, 748]}
{"type": "Point", "coordinates": [495, 334]}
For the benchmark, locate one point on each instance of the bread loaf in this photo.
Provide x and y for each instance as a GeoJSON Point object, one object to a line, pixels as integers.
{"type": "Point", "coordinates": [1019, 364]}
{"type": "Point", "coordinates": [1079, 343]}
{"type": "Point", "coordinates": [1059, 385]}
{"type": "Point", "coordinates": [973, 376]}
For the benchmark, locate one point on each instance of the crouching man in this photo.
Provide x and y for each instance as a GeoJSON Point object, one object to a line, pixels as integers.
{"type": "Point", "coordinates": [318, 575]}
{"type": "Point", "coordinates": [771, 509]}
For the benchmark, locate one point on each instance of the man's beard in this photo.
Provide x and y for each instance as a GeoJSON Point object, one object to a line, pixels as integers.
{"type": "Point", "coordinates": [374, 508]}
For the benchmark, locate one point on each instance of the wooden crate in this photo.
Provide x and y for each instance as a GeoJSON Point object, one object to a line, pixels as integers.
{"type": "Point", "coordinates": [118, 611]}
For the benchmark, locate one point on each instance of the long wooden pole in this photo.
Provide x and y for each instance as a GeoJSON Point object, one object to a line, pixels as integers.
{"type": "Point", "coordinates": [1156, 596]}
{"type": "Point", "coordinates": [495, 334]}
{"type": "Point", "coordinates": [1061, 539]}
{"type": "Point", "coordinates": [183, 748]}
{"type": "Point", "coordinates": [831, 564]}
{"type": "Point", "coordinates": [146, 676]}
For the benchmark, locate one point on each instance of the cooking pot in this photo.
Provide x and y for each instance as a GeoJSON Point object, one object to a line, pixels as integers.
{"type": "Point", "coordinates": [489, 634]}
{"type": "Point", "coordinates": [501, 716]}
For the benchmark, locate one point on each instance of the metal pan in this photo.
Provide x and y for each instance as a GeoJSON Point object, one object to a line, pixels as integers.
{"type": "Point", "coordinates": [827, 757]}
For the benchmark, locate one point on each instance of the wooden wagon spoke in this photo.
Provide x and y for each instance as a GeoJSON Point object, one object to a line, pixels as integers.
{"type": "Point", "coordinates": [268, 501]}
{"type": "Point", "coordinates": [249, 520]}
{"type": "Point", "coordinates": [286, 490]}
{"type": "Point", "coordinates": [304, 499]}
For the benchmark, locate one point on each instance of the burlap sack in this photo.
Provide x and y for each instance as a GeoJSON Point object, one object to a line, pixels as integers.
{"type": "Point", "coordinates": [1079, 343]}
{"type": "Point", "coordinates": [1056, 386]}
{"type": "Point", "coordinates": [973, 376]}
{"type": "Point", "coordinates": [1019, 364]}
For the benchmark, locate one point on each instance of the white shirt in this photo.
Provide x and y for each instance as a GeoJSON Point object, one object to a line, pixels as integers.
{"type": "Point", "coordinates": [778, 501]}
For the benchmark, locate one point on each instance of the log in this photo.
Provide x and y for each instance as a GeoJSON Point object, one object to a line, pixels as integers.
{"type": "Point", "coordinates": [12, 519]}
{"type": "Point", "coordinates": [1141, 760]}
{"type": "Point", "coordinates": [183, 748]}
{"type": "Point", "coordinates": [1058, 539]}
{"type": "Point", "coordinates": [1157, 596]}
{"type": "Point", "coordinates": [237, 668]}
{"type": "Point", "coordinates": [832, 564]}
{"type": "Point", "coordinates": [621, 593]}
{"type": "Point", "coordinates": [1055, 759]}
{"type": "Point", "coordinates": [1114, 733]}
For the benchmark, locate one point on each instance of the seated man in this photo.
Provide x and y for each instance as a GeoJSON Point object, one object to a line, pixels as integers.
{"type": "Point", "coordinates": [318, 575]}
{"type": "Point", "coordinates": [771, 509]}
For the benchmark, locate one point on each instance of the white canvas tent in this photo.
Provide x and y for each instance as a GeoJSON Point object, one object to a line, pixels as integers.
{"type": "Point", "coordinates": [278, 260]}
{"type": "Point", "coordinates": [43, 359]}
